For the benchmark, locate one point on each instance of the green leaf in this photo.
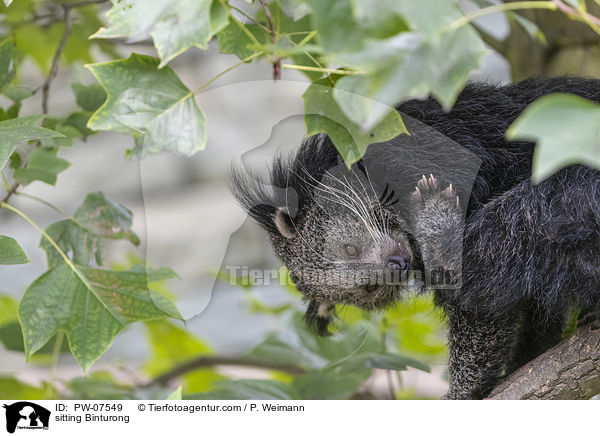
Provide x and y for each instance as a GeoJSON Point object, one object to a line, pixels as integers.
{"type": "Point", "coordinates": [43, 165]}
{"type": "Point", "coordinates": [99, 385]}
{"type": "Point", "coordinates": [407, 65]}
{"type": "Point", "coordinates": [295, 9]}
{"type": "Point", "coordinates": [91, 306]}
{"type": "Point", "coordinates": [11, 335]}
{"type": "Point", "coordinates": [13, 388]}
{"type": "Point", "coordinates": [379, 18]}
{"type": "Point", "coordinates": [427, 17]}
{"type": "Point", "coordinates": [249, 390]}
{"type": "Point", "coordinates": [566, 128]}
{"type": "Point", "coordinates": [132, 19]}
{"type": "Point", "coordinates": [172, 345]}
{"type": "Point", "coordinates": [389, 361]}
{"type": "Point", "coordinates": [328, 385]}
{"type": "Point", "coordinates": [333, 19]}
{"type": "Point", "coordinates": [11, 253]}
{"type": "Point", "coordinates": [147, 101]}
{"type": "Point", "coordinates": [276, 349]}
{"type": "Point", "coordinates": [219, 16]}
{"type": "Point", "coordinates": [89, 98]}
{"type": "Point", "coordinates": [417, 331]}
{"type": "Point", "coordinates": [106, 218]}
{"type": "Point", "coordinates": [176, 394]}
{"type": "Point", "coordinates": [233, 40]}
{"type": "Point", "coordinates": [8, 68]}
{"type": "Point", "coordinates": [74, 240]}
{"type": "Point", "coordinates": [18, 130]}
{"type": "Point", "coordinates": [15, 161]}
{"type": "Point", "coordinates": [186, 26]}
{"type": "Point", "coordinates": [38, 43]}
{"type": "Point", "coordinates": [18, 93]}
{"type": "Point", "coordinates": [175, 25]}
{"type": "Point", "coordinates": [98, 217]}
{"type": "Point", "coordinates": [431, 58]}
{"type": "Point", "coordinates": [73, 126]}
{"type": "Point", "coordinates": [8, 310]}
{"type": "Point", "coordinates": [323, 115]}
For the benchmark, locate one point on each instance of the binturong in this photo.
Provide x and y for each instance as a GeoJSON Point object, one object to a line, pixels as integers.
{"type": "Point", "coordinates": [448, 208]}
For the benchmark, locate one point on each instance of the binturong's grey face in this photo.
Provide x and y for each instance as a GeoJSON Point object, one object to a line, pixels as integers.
{"type": "Point", "coordinates": [338, 231]}
{"type": "Point", "coordinates": [348, 246]}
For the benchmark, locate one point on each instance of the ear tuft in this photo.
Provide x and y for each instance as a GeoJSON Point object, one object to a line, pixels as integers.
{"type": "Point", "coordinates": [284, 223]}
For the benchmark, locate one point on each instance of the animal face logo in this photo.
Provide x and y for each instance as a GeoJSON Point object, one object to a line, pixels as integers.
{"type": "Point", "coordinates": [26, 415]}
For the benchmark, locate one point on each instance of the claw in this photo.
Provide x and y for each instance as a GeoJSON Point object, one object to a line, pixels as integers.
{"type": "Point", "coordinates": [448, 192]}
{"type": "Point", "coordinates": [417, 193]}
{"type": "Point", "coordinates": [432, 181]}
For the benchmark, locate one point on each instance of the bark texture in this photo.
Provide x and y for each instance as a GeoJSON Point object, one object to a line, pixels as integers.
{"type": "Point", "coordinates": [568, 371]}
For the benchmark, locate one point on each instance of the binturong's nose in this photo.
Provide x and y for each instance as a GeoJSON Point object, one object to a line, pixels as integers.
{"type": "Point", "coordinates": [397, 263]}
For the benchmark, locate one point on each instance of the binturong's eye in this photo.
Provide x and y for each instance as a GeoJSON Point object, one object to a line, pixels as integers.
{"type": "Point", "coordinates": [351, 250]}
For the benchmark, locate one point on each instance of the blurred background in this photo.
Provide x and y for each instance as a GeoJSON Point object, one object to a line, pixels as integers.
{"type": "Point", "coordinates": [187, 218]}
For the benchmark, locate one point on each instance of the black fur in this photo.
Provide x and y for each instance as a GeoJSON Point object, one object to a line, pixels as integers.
{"type": "Point", "coordinates": [530, 252]}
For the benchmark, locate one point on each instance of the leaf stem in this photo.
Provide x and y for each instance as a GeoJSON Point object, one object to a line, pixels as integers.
{"type": "Point", "coordinates": [245, 15]}
{"type": "Point", "coordinates": [75, 270]}
{"type": "Point", "coordinates": [322, 70]}
{"type": "Point", "coordinates": [47, 203]}
{"type": "Point", "coordinates": [42, 232]}
{"type": "Point", "coordinates": [466, 19]}
{"type": "Point", "coordinates": [242, 62]}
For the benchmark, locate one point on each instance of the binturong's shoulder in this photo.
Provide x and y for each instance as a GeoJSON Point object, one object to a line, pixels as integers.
{"type": "Point", "coordinates": [498, 103]}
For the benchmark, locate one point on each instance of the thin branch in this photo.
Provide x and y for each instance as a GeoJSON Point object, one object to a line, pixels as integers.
{"type": "Point", "coordinates": [56, 59]}
{"type": "Point", "coordinates": [208, 361]}
{"type": "Point", "coordinates": [270, 25]}
{"type": "Point", "coordinates": [83, 3]}
{"type": "Point", "coordinates": [10, 192]}
{"type": "Point", "coordinates": [321, 70]}
{"type": "Point", "coordinates": [45, 87]}
{"type": "Point", "coordinates": [591, 20]}
{"type": "Point", "coordinates": [553, 5]}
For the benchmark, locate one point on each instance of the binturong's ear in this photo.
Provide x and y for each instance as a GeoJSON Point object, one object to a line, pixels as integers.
{"type": "Point", "coordinates": [319, 316]}
{"type": "Point", "coordinates": [284, 223]}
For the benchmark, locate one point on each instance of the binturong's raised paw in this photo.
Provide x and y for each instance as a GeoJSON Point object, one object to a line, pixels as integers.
{"type": "Point", "coordinates": [428, 190]}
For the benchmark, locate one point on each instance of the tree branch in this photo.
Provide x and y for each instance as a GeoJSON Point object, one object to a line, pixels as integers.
{"type": "Point", "coordinates": [276, 61]}
{"type": "Point", "coordinates": [568, 371]}
{"type": "Point", "coordinates": [56, 60]}
{"type": "Point", "coordinates": [45, 87]}
{"type": "Point", "coordinates": [207, 361]}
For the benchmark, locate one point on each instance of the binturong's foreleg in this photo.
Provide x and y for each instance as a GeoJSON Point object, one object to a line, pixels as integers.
{"type": "Point", "coordinates": [438, 227]}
